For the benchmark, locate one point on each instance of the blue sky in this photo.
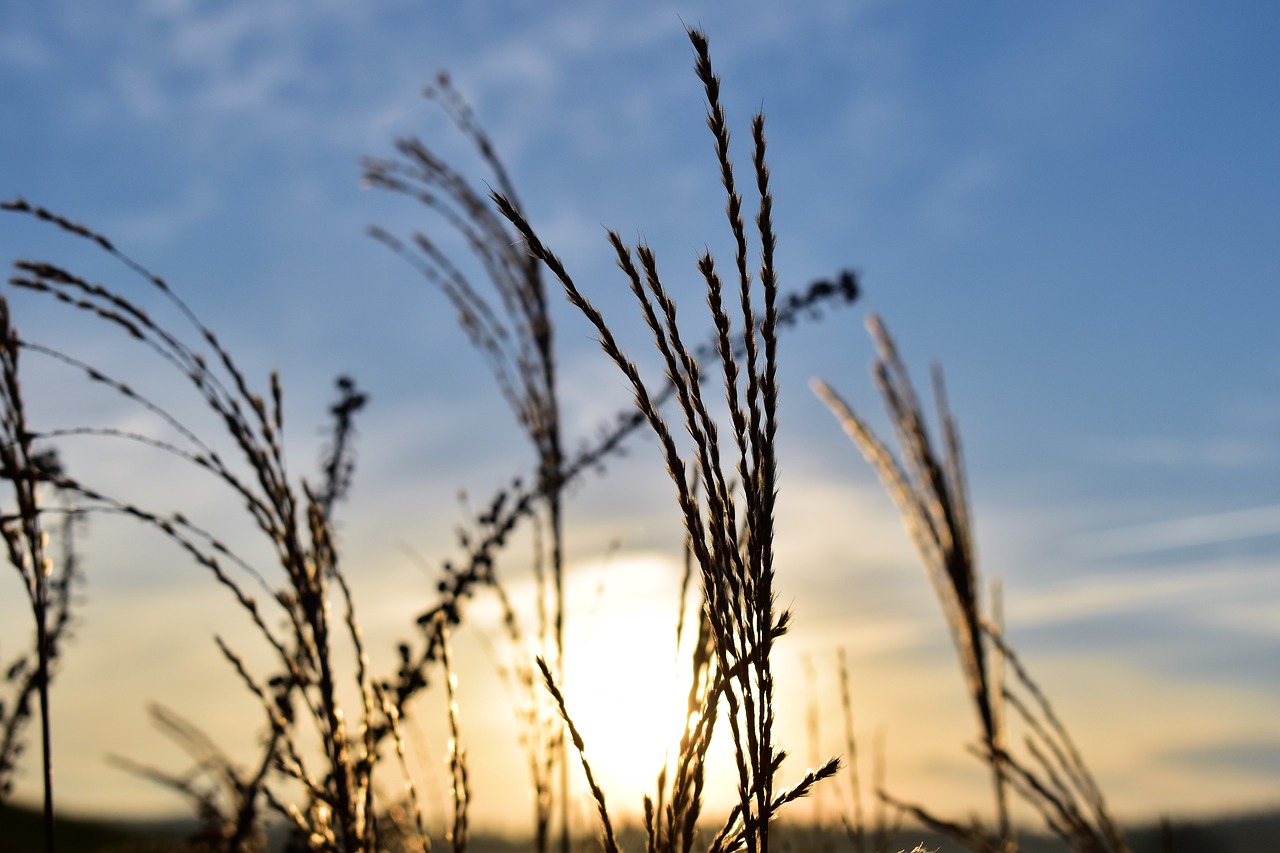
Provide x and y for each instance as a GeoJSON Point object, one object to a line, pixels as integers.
{"type": "Point", "coordinates": [1072, 207]}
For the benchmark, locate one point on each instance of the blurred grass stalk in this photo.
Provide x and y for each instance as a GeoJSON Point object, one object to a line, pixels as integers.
{"type": "Point", "coordinates": [26, 544]}
{"type": "Point", "coordinates": [930, 491]}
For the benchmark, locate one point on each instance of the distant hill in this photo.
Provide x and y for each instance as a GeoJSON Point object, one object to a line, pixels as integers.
{"type": "Point", "coordinates": [1250, 833]}
{"type": "Point", "coordinates": [21, 832]}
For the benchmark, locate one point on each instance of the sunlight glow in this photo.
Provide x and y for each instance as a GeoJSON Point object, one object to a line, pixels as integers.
{"type": "Point", "coordinates": [625, 686]}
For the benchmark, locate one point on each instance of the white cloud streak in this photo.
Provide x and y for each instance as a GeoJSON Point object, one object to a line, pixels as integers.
{"type": "Point", "coordinates": [1233, 526]}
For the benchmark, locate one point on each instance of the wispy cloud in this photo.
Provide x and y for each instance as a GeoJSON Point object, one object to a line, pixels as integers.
{"type": "Point", "coordinates": [1211, 528]}
{"type": "Point", "coordinates": [1257, 756]}
{"type": "Point", "coordinates": [23, 50]}
{"type": "Point", "coordinates": [952, 206]}
{"type": "Point", "coordinates": [150, 227]}
{"type": "Point", "coordinates": [1069, 76]}
{"type": "Point", "coordinates": [1178, 451]}
{"type": "Point", "coordinates": [1190, 595]}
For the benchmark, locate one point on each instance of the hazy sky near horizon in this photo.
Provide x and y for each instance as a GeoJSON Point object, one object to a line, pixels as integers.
{"type": "Point", "coordinates": [1074, 208]}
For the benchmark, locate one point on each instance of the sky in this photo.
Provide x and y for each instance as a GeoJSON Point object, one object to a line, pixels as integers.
{"type": "Point", "coordinates": [1072, 208]}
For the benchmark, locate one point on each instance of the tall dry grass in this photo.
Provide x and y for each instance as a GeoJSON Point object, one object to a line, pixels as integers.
{"type": "Point", "coordinates": [730, 529]}
{"type": "Point", "coordinates": [48, 590]}
{"type": "Point", "coordinates": [929, 488]}
{"type": "Point", "coordinates": [511, 327]}
{"type": "Point", "coordinates": [324, 758]}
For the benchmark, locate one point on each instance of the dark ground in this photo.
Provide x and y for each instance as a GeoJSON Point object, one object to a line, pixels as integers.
{"type": "Point", "coordinates": [20, 832]}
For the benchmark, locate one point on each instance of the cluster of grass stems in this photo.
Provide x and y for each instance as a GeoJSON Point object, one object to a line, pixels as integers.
{"type": "Point", "coordinates": [315, 769]}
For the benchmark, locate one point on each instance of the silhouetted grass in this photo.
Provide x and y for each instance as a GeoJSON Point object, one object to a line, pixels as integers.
{"type": "Point", "coordinates": [320, 750]}
{"type": "Point", "coordinates": [930, 490]}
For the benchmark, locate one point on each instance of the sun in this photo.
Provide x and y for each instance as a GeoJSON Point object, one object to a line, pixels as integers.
{"type": "Point", "coordinates": [626, 687]}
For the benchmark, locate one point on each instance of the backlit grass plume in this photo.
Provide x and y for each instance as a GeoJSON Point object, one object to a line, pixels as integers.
{"type": "Point", "coordinates": [930, 491]}
{"type": "Point", "coordinates": [731, 523]}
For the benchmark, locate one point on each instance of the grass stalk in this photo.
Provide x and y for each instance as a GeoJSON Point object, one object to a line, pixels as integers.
{"type": "Point", "coordinates": [26, 542]}
{"type": "Point", "coordinates": [736, 567]}
{"type": "Point", "coordinates": [930, 491]}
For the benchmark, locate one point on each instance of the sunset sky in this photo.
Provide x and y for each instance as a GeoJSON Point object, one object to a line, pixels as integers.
{"type": "Point", "coordinates": [1074, 208]}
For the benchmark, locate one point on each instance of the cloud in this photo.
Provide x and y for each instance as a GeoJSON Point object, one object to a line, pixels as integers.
{"type": "Point", "coordinates": [1258, 756]}
{"type": "Point", "coordinates": [199, 63]}
{"type": "Point", "coordinates": [1180, 452]}
{"type": "Point", "coordinates": [952, 205]}
{"type": "Point", "coordinates": [25, 51]}
{"type": "Point", "coordinates": [1118, 594]}
{"type": "Point", "coordinates": [154, 227]}
{"type": "Point", "coordinates": [1070, 75]}
{"type": "Point", "coordinates": [1207, 529]}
